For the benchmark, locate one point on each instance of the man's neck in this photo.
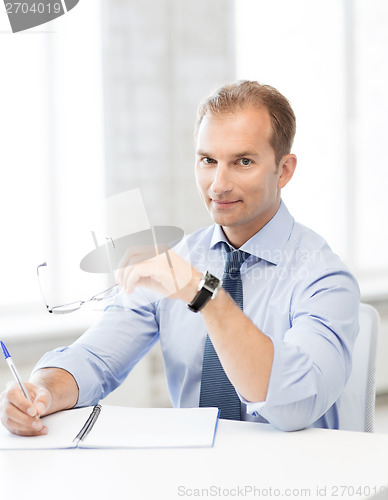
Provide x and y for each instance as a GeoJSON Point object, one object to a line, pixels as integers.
{"type": "Point", "coordinates": [240, 234]}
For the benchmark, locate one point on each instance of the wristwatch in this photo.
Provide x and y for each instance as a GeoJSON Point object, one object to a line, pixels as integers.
{"type": "Point", "coordinates": [207, 289]}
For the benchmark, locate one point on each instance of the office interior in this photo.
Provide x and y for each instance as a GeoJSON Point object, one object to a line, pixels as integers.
{"type": "Point", "coordinates": [103, 101]}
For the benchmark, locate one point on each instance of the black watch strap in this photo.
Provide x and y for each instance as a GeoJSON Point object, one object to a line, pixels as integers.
{"type": "Point", "coordinates": [200, 300]}
{"type": "Point", "coordinates": [207, 289]}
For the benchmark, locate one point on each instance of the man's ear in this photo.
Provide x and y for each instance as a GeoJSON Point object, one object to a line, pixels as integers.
{"type": "Point", "coordinates": [286, 169]}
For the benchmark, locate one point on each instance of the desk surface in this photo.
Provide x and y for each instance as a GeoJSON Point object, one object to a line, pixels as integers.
{"type": "Point", "coordinates": [248, 460]}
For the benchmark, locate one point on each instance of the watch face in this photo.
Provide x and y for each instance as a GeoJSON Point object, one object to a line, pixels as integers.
{"type": "Point", "coordinates": [211, 281]}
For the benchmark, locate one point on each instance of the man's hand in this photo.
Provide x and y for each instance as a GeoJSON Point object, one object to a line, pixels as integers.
{"type": "Point", "coordinates": [18, 414]}
{"type": "Point", "coordinates": [167, 273]}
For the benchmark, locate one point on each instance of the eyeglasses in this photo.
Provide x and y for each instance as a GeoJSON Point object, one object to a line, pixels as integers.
{"type": "Point", "coordinates": [71, 306]}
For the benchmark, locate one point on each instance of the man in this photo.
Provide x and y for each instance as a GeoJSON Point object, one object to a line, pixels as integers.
{"type": "Point", "coordinates": [283, 342]}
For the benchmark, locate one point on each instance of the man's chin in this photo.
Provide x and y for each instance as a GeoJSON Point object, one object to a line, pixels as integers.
{"type": "Point", "coordinates": [222, 220]}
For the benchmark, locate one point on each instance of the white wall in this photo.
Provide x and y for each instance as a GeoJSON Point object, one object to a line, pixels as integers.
{"type": "Point", "coordinates": [157, 69]}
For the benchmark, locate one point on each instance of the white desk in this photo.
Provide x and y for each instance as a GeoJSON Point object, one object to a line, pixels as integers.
{"type": "Point", "coordinates": [313, 463]}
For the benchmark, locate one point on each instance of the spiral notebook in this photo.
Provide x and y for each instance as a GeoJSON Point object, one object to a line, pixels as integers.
{"type": "Point", "coordinates": [119, 427]}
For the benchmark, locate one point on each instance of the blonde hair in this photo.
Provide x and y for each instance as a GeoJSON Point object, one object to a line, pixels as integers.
{"type": "Point", "coordinates": [236, 96]}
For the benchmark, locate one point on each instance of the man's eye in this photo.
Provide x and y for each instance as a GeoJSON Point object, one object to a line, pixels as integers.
{"type": "Point", "coordinates": [245, 162]}
{"type": "Point", "coordinates": [208, 160]}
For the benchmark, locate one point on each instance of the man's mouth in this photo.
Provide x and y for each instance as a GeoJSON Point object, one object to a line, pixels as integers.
{"type": "Point", "coordinates": [224, 203]}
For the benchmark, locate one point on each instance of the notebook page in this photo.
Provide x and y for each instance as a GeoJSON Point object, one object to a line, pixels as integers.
{"type": "Point", "coordinates": [119, 427]}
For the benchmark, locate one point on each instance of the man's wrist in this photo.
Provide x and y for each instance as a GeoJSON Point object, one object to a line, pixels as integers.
{"type": "Point", "coordinates": [61, 385]}
{"type": "Point", "coordinates": [207, 289]}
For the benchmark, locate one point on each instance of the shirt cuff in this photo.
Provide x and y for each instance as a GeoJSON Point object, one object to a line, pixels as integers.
{"type": "Point", "coordinates": [292, 380]}
{"type": "Point", "coordinates": [71, 360]}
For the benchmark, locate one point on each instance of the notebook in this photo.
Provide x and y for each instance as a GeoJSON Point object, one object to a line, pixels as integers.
{"type": "Point", "coordinates": [119, 427]}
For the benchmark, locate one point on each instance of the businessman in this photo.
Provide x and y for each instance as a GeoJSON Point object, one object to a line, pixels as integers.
{"type": "Point", "coordinates": [259, 317]}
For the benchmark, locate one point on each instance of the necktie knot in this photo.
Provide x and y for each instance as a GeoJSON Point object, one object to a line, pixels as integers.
{"type": "Point", "coordinates": [234, 260]}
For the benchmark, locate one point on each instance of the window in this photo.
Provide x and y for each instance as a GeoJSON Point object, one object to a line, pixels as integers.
{"type": "Point", "coordinates": [51, 154]}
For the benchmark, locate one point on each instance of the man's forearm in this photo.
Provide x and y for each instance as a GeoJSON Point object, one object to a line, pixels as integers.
{"type": "Point", "coordinates": [245, 352]}
{"type": "Point", "coordinates": [61, 385]}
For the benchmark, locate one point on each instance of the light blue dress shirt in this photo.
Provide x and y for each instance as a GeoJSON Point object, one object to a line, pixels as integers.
{"type": "Point", "coordinates": [296, 291]}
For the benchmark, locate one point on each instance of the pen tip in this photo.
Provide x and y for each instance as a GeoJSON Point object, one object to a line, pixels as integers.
{"type": "Point", "coordinates": [5, 351]}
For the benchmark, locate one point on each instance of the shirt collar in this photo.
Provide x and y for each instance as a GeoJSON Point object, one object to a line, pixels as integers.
{"type": "Point", "coordinates": [268, 243]}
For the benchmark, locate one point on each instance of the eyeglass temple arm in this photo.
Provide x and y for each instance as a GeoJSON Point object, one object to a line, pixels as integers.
{"type": "Point", "coordinates": [44, 264]}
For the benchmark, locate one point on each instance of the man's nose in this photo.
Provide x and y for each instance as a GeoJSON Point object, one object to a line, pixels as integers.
{"type": "Point", "coordinates": [222, 181]}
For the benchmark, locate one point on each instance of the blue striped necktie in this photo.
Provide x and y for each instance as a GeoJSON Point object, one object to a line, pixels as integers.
{"type": "Point", "coordinates": [216, 390]}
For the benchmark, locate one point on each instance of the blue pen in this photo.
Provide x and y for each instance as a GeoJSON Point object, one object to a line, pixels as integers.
{"type": "Point", "coordinates": [15, 373]}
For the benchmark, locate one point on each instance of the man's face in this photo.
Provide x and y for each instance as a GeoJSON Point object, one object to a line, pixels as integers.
{"type": "Point", "coordinates": [236, 172]}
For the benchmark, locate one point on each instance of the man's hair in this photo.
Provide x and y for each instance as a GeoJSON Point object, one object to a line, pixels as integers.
{"type": "Point", "coordinates": [236, 96]}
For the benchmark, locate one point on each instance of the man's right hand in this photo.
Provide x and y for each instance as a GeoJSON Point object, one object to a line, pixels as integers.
{"type": "Point", "coordinates": [18, 414]}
